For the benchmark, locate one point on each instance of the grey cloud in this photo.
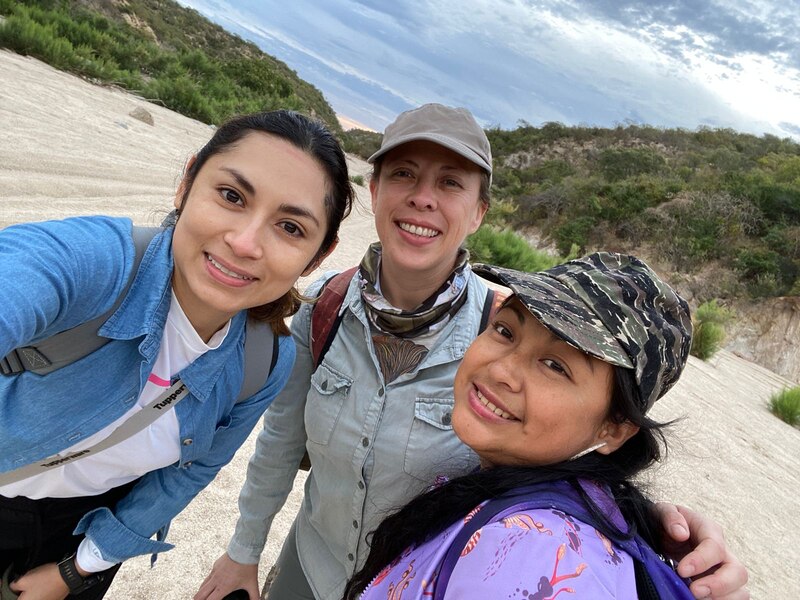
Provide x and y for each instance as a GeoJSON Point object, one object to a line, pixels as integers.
{"type": "Point", "coordinates": [725, 29]}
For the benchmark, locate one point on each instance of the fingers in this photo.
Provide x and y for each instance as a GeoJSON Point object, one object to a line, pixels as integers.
{"type": "Point", "coordinates": [723, 583]}
{"type": "Point", "coordinates": [672, 521]}
{"type": "Point", "coordinates": [227, 576]}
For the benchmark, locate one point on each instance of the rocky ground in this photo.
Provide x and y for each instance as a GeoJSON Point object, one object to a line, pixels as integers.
{"type": "Point", "coordinates": [68, 147]}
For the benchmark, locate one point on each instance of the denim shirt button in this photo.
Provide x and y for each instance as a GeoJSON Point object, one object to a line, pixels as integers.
{"type": "Point", "coordinates": [364, 442]}
{"type": "Point", "coordinates": [446, 418]}
{"type": "Point", "coordinates": [350, 557]}
{"type": "Point", "coordinates": [188, 442]}
{"type": "Point", "coordinates": [361, 485]}
{"type": "Point", "coordinates": [355, 524]}
{"type": "Point", "coordinates": [380, 392]}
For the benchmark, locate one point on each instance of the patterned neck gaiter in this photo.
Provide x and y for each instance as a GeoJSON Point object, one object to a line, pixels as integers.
{"type": "Point", "coordinates": [397, 339]}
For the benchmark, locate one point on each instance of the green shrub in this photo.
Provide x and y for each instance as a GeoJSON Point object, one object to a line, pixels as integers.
{"type": "Point", "coordinates": [357, 179]}
{"type": "Point", "coordinates": [709, 329]}
{"type": "Point", "coordinates": [507, 249]}
{"type": "Point", "coordinates": [786, 405]}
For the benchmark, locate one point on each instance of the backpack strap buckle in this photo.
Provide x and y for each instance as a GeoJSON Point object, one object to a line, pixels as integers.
{"type": "Point", "coordinates": [27, 358]}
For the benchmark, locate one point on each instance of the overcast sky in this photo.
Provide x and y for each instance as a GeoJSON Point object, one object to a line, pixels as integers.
{"type": "Point", "coordinates": [682, 63]}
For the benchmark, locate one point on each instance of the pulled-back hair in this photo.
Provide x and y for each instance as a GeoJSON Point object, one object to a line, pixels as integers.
{"type": "Point", "coordinates": [432, 512]}
{"type": "Point", "coordinates": [313, 138]}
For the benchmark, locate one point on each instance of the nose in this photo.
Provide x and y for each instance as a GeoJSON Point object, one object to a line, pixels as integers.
{"type": "Point", "coordinates": [423, 196]}
{"type": "Point", "coordinates": [506, 371]}
{"type": "Point", "coordinates": [246, 239]}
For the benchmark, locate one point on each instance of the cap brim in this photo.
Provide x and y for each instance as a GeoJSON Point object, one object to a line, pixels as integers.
{"type": "Point", "coordinates": [442, 140]}
{"type": "Point", "coordinates": [562, 311]}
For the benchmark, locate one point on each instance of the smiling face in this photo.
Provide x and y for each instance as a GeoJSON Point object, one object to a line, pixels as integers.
{"type": "Point", "coordinates": [525, 397]}
{"type": "Point", "coordinates": [251, 224]}
{"type": "Point", "coordinates": [426, 202]}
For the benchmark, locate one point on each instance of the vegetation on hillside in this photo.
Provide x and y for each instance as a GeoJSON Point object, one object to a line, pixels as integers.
{"type": "Point", "coordinates": [161, 51]}
{"type": "Point", "coordinates": [786, 405]}
{"type": "Point", "coordinates": [706, 199]}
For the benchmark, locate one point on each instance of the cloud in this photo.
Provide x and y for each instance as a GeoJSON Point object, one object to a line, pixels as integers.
{"type": "Point", "coordinates": [577, 61]}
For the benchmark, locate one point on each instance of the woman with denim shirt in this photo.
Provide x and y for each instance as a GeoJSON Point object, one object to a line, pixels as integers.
{"type": "Point", "coordinates": [259, 205]}
{"type": "Point", "coordinates": [375, 415]}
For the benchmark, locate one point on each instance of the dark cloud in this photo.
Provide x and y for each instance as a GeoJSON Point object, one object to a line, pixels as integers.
{"type": "Point", "coordinates": [725, 28]}
{"type": "Point", "coordinates": [791, 128]}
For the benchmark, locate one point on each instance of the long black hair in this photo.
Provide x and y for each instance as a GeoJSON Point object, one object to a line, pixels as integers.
{"type": "Point", "coordinates": [432, 512]}
{"type": "Point", "coordinates": [313, 138]}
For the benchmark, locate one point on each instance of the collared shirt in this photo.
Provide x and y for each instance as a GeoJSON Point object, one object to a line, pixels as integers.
{"type": "Point", "coordinates": [59, 274]}
{"type": "Point", "coordinates": [373, 446]}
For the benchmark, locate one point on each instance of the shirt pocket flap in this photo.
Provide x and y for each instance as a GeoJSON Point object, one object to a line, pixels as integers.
{"type": "Point", "coordinates": [435, 411]}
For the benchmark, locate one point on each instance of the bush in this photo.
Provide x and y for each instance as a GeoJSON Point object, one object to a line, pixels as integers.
{"type": "Point", "coordinates": [786, 405]}
{"type": "Point", "coordinates": [357, 179]}
{"type": "Point", "coordinates": [507, 249]}
{"type": "Point", "coordinates": [709, 329]}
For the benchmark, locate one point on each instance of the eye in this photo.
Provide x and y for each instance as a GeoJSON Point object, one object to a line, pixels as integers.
{"type": "Point", "coordinates": [293, 229]}
{"type": "Point", "coordinates": [500, 328]}
{"type": "Point", "coordinates": [454, 183]}
{"type": "Point", "coordinates": [402, 173]}
{"type": "Point", "coordinates": [556, 366]}
{"type": "Point", "coordinates": [231, 196]}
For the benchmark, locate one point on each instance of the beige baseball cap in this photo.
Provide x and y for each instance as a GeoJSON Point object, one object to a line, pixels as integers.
{"type": "Point", "coordinates": [454, 128]}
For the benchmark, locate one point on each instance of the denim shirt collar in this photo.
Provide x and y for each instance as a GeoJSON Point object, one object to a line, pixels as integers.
{"type": "Point", "coordinates": [144, 313]}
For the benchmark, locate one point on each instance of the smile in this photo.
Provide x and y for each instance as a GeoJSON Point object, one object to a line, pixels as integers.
{"type": "Point", "coordinates": [416, 230]}
{"type": "Point", "coordinates": [227, 271]}
{"type": "Point", "coordinates": [498, 411]}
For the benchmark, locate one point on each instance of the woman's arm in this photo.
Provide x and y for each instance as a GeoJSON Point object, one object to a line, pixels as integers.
{"type": "Point", "coordinates": [58, 274]}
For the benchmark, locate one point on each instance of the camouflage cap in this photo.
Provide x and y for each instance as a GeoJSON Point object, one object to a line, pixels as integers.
{"type": "Point", "coordinates": [613, 307]}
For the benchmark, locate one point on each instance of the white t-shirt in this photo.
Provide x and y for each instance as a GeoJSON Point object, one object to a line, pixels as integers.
{"type": "Point", "coordinates": [154, 447]}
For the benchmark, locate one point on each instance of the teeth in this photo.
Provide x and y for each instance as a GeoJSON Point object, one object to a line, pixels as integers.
{"type": "Point", "coordinates": [227, 271]}
{"type": "Point", "coordinates": [498, 411]}
{"type": "Point", "coordinates": [421, 231]}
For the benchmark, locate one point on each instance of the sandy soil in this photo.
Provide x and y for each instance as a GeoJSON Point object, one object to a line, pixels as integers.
{"type": "Point", "coordinates": [68, 147]}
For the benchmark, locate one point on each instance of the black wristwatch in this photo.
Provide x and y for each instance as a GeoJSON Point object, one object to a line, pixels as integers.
{"type": "Point", "coordinates": [76, 582]}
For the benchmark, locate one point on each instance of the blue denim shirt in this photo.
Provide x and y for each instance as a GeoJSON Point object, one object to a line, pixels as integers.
{"type": "Point", "coordinates": [373, 445]}
{"type": "Point", "coordinates": [58, 274]}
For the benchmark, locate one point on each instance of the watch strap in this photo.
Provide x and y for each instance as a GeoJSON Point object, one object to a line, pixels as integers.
{"type": "Point", "coordinates": [76, 582]}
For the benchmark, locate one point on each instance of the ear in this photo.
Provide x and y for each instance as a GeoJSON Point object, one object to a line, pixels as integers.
{"type": "Point", "coordinates": [373, 191]}
{"type": "Point", "coordinates": [479, 214]}
{"type": "Point", "coordinates": [615, 434]}
{"type": "Point", "coordinates": [182, 185]}
{"type": "Point", "coordinates": [320, 257]}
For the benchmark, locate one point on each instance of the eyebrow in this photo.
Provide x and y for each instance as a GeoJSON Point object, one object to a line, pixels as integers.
{"type": "Point", "coordinates": [299, 211]}
{"type": "Point", "coordinates": [240, 179]}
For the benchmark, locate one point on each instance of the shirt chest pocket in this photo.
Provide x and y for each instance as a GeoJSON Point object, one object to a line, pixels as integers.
{"type": "Point", "coordinates": [326, 397]}
{"type": "Point", "coordinates": [433, 448]}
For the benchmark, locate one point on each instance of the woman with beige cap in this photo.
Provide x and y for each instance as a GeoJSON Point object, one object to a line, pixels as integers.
{"type": "Point", "coordinates": [375, 414]}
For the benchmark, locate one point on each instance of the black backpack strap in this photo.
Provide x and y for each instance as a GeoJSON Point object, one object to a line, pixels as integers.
{"type": "Point", "coordinates": [259, 342]}
{"type": "Point", "coordinates": [66, 347]}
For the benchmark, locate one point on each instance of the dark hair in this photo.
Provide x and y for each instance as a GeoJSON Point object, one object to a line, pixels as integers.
{"type": "Point", "coordinates": [484, 194]}
{"type": "Point", "coordinates": [432, 512]}
{"type": "Point", "coordinates": [315, 139]}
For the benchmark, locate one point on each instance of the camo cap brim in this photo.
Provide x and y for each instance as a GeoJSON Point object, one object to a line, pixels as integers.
{"type": "Point", "coordinates": [613, 307]}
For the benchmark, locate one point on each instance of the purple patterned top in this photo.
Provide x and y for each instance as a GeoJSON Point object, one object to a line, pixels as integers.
{"type": "Point", "coordinates": [526, 555]}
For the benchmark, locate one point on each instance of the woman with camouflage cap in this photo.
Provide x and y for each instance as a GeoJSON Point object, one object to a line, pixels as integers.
{"type": "Point", "coordinates": [553, 398]}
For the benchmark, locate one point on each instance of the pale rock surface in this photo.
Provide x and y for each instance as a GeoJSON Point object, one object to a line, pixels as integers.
{"type": "Point", "coordinates": [69, 148]}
